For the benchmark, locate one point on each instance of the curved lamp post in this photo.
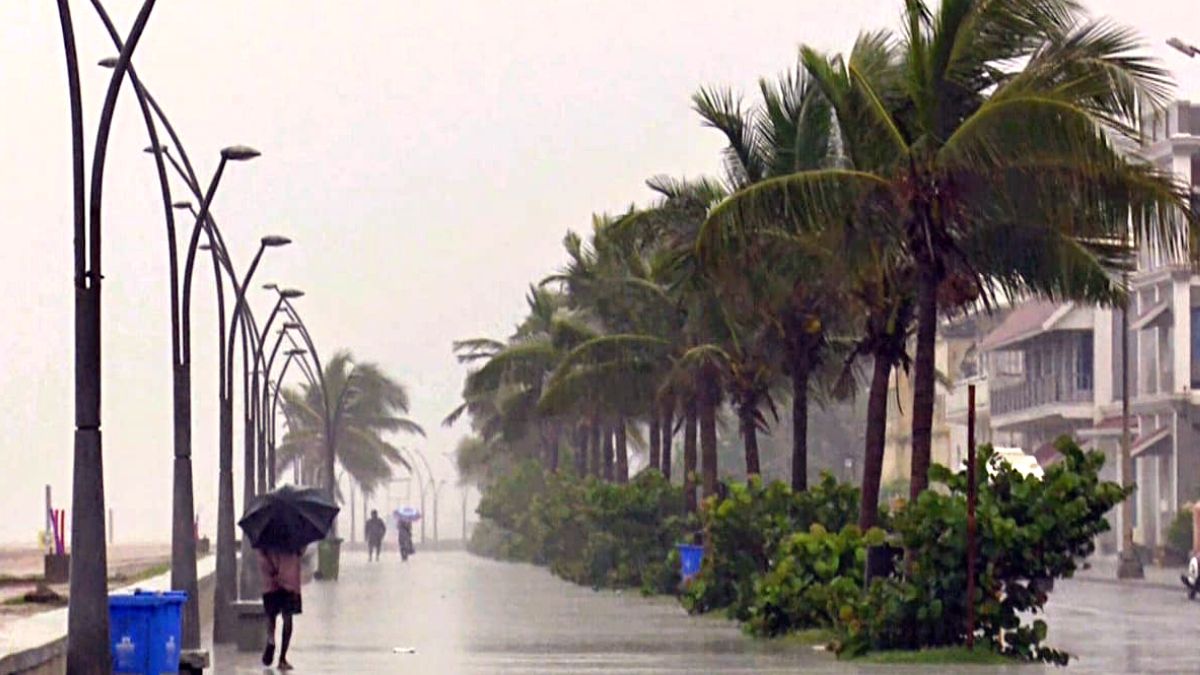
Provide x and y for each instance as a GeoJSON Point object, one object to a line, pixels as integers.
{"type": "Point", "coordinates": [330, 422]}
{"type": "Point", "coordinates": [266, 447]}
{"type": "Point", "coordinates": [412, 452]}
{"type": "Point", "coordinates": [87, 614]}
{"type": "Point", "coordinates": [260, 397]}
{"type": "Point", "coordinates": [274, 406]}
{"type": "Point", "coordinates": [183, 544]}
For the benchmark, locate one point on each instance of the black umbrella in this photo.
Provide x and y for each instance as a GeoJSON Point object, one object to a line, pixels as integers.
{"type": "Point", "coordinates": [288, 518]}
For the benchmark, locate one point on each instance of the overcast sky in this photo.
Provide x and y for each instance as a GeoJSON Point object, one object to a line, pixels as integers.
{"type": "Point", "coordinates": [426, 157]}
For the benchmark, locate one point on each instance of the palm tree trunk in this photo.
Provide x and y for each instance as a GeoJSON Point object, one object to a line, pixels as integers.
{"type": "Point", "coordinates": [655, 440]}
{"type": "Point", "coordinates": [668, 424]}
{"type": "Point", "coordinates": [622, 453]}
{"type": "Point", "coordinates": [552, 451]}
{"type": "Point", "coordinates": [923, 381]}
{"type": "Point", "coordinates": [708, 430]}
{"type": "Point", "coordinates": [801, 372]}
{"type": "Point", "coordinates": [608, 454]}
{"type": "Point", "coordinates": [750, 437]}
{"type": "Point", "coordinates": [689, 454]}
{"type": "Point", "coordinates": [597, 451]}
{"type": "Point", "coordinates": [877, 412]}
{"type": "Point", "coordinates": [580, 446]}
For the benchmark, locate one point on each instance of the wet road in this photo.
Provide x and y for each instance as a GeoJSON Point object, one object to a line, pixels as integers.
{"type": "Point", "coordinates": [468, 615]}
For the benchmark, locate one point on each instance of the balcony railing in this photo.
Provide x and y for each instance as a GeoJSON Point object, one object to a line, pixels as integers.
{"type": "Point", "coordinates": [1040, 391]}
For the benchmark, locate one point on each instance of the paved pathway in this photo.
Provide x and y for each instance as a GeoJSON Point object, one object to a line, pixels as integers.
{"type": "Point", "coordinates": [468, 615]}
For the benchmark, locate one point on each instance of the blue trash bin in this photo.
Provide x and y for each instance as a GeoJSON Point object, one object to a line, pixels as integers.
{"type": "Point", "coordinates": [145, 631]}
{"type": "Point", "coordinates": [690, 557]}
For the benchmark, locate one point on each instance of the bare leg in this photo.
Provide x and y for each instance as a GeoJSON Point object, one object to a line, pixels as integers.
{"type": "Point", "coordinates": [287, 640]}
{"type": "Point", "coordinates": [269, 651]}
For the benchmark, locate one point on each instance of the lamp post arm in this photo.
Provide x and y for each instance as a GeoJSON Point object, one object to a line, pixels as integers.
{"type": "Point", "coordinates": [240, 303]}
{"type": "Point", "coordinates": [79, 178]}
{"type": "Point", "coordinates": [95, 201]}
{"type": "Point", "coordinates": [164, 184]}
{"type": "Point", "coordinates": [193, 244]}
{"type": "Point", "coordinates": [312, 348]}
{"type": "Point", "coordinates": [262, 336]}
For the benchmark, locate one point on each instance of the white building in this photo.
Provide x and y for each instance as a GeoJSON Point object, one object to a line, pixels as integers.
{"type": "Point", "coordinates": [1052, 369]}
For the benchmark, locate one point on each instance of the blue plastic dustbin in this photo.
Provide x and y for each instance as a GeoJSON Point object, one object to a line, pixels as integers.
{"type": "Point", "coordinates": [145, 631]}
{"type": "Point", "coordinates": [690, 557]}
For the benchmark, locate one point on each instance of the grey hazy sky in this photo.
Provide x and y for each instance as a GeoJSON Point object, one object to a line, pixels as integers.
{"type": "Point", "coordinates": [427, 158]}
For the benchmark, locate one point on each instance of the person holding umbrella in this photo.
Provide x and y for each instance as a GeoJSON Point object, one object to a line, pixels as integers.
{"type": "Point", "coordinates": [280, 524]}
{"type": "Point", "coordinates": [281, 595]}
{"type": "Point", "coordinates": [405, 516]}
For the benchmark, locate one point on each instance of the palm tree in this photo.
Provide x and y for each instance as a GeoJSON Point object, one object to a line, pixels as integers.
{"type": "Point", "coordinates": [502, 392]}
{"type": "Point", "coordinates": [366, 405]}
{"type": "Point", "coordinates": [790, 131]}
{"type": "Point", "coordinates": [985, 153]}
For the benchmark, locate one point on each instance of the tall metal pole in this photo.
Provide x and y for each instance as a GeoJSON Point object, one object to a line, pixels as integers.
{"type": "Point", "coordinates": [1129, 566]}
{"type": "Point", "coordinates": [971, 524]}
{"type": "Point", "coordinates": [183, 536]}
{"type": "Point", "coordinates": [87, 614]}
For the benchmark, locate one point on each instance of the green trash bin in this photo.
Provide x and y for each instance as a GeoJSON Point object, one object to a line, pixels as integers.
{"type": "Point", "coordinates": [329, 552]}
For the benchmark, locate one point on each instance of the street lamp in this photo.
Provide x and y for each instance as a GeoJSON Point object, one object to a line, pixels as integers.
{"type": "Point", "coordinates": [87, 613]}
{"type": "Point", "coordinates": [266, 464]}
{"type": "Point", "coordinates": [274, 404]}
{"type": "Point", "coordinates": [183, 549]}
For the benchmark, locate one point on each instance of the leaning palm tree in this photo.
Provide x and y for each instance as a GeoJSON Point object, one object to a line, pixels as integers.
{"type": "Point", "coordinates": [365, 406]}
{"type": "Point", "coordinates": [986, 153]}
{"type": "Point", "coordinates": [791, 130]}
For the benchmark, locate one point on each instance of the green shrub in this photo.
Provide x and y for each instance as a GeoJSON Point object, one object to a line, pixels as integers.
{"type": "Point", "coordinates": [1031, 531]}
{"type": "Point", "coordinates": [814, 573]}
{"type": "Point", "coordinates": [747, 527]}
{"type": "Point", "coordinates": [1179, 535]}
{"type": "Point", "coordinates": [586, 531]}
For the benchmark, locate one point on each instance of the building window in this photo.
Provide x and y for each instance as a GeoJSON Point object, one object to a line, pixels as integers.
{"type": "Point", "coordinates": [1083, 362]}
{"type": "Point", "coordinates": [1196, 347]}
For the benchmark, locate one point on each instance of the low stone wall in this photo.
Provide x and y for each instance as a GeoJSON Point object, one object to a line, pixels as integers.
{"type": "Point", "coordinates": [37, 645]}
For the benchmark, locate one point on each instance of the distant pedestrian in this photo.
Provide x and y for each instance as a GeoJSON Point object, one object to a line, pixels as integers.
{"type": "Point", "coordinates": [404, 529]}
{"type": "Point", "coordinates": [376, 530]}
{"type": "Point", "coordinates": [281, 595]}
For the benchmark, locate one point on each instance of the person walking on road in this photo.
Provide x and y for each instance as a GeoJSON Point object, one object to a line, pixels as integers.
{"type": "Point", "coordinates": [281, 595]}
{"type": "Point", "coordinates": [375, 531]}
{"type": "Point", "coordinates": [404, 528]}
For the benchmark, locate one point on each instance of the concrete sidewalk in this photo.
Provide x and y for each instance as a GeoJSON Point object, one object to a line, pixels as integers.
{"type": "Point", "coordinates": [1103, 569]}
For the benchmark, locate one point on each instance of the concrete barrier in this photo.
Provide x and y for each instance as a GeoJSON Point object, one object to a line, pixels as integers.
{"type": "Point", "coordinates": [37, 645]}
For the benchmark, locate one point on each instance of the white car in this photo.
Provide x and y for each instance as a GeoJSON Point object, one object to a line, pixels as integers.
{"type": "Point", "coordinates": [1024, 463]}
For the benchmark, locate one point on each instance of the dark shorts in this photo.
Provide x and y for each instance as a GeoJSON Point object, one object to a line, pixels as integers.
{"type": "Point", "coordinates": [282, 602]}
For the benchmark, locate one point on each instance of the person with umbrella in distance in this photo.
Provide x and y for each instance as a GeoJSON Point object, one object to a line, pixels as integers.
{"type": "Point", "coordinates": [405, 516]}
{"type": "Point", "coordinates": [280, 525]}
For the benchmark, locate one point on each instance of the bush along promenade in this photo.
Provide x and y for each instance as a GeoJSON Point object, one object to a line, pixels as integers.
{"type": "Point", "coordinates": [972, 160]}
{"type": "Point", "coordinates": [783, 562]}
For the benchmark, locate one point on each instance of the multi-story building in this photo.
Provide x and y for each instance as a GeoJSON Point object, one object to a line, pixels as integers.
{"type": "Point", "coordinates": [1051, 369]}
{"type": "Point", "coordinates": [956, 359]}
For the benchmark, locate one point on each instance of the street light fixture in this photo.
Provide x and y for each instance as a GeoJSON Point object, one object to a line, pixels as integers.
{"type": "Point", "coordinates": [1180, 46]}
{"type": "Point", "coordinates": [239, 153]}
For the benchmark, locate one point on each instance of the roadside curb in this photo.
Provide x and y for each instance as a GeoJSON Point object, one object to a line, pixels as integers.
{"type": "Point", "coordinates": [1131, 583]}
